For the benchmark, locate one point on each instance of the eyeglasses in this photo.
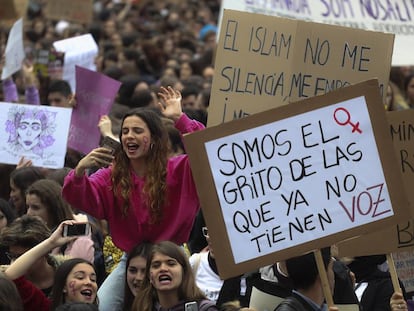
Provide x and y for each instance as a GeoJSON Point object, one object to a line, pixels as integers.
{"type": "Point", "coordinates": [205, 231]}
{"type": "Point", "coordinates": [12, 256]}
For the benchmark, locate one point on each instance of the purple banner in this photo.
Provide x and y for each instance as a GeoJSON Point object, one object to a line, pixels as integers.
{"type": "Point", "coordinates": [95, 94]}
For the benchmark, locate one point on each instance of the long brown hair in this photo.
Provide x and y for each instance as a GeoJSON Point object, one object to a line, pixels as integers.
{"type": "Point", "coordinates": [155, 187]}
{"type": "Point", "coordinates": [61, 275]}
{"type": "Point", "coordinates": [187, 291]}
{"type": "Point", "coordinates": [50, 194]}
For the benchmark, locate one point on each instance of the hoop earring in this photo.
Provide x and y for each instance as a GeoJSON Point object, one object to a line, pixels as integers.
{"type": "Point", "coordinates": [151, 146]}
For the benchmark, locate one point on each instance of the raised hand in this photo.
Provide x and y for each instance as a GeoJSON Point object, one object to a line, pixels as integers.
{"type": "Point", "coordinates": [105, 127]}
{"type": "Point", "coordinates": [172, 103]}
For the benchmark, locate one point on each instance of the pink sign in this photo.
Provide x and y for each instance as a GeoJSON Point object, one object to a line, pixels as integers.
{"type": "Point", "coordinates": [95, 94]}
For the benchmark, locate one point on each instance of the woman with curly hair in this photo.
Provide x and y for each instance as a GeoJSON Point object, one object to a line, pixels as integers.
{"type": "Point", "coordinates": [143, 194]}
{"type": "Point", "coordinates": [169, 283]}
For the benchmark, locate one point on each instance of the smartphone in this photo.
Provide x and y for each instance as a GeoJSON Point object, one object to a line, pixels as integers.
{"type": "Point", "coordinates": [110, 143]}
{"type": "Point", "coordinates": [77, 229]}
{"type": "Point", "coordinates": [191, 306]}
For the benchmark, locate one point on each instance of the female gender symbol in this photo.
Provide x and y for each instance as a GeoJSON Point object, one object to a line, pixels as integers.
{"type": "Point", "coordinates": [355, 126]}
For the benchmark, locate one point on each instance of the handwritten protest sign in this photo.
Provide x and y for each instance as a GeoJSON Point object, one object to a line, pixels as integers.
{"type": "Point", "coordinates": [297, 177]}
{"type": "Point", "coordinates": [385, 16]}
{"type": "Point", "coordinates": [78, 11]}
{"type": "Point", "coordinates": [401, 236]}
{"type": "Point", "coordinates": [14, 53]}
{"type": "Point", "coordinates": [264, 61]}
{"type": "Point", "coordinates": [79, 51]}
{"type": "Point", "coordinates": [95, 94]}
{"type": "Point", "coordinates": [7, 9]}
{"type": "Point", "coordinates": [404, 263]}
{"type": "Point", "coordinates": [38, 133]}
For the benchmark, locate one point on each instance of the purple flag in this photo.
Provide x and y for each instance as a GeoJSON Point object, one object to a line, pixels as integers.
{"type": "Point", "coordinates": [95, 94]}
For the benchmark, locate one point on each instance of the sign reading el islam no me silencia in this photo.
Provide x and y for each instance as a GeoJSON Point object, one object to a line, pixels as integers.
{"type": "Point", "coordinates": [265, 61]}
{"type": "Point", "coordinates": [281, 185]}
{"type": "Point", "coordinates": [393, 16]}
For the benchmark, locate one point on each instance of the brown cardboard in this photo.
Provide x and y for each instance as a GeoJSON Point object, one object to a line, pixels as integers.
{"type": "Point", "coordinates": [12, 10]}
{"type": "Point", "coordinates": [8, 10]}
{"type": "Point", "coordinates": [78, 11]}
{"type": "Point", "coordinates": [283, 52]}
{"type": "Point", "coordinates": [400, 237]}
{"type": "Point", "coordinates": [209, 197]}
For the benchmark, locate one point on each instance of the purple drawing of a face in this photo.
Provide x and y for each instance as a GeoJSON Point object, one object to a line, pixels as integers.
{"type": "Point", "coordinates": [28, 132]}
{"type": "Point", "coordinates": [30, 129]}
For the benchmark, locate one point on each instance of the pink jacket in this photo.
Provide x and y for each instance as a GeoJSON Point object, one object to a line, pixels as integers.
{"type": "Point", "coordinates": [94, 196]}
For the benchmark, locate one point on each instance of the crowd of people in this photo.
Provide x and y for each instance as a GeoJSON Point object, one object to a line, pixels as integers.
{"type": "Point", "coordinates": [149, 247]}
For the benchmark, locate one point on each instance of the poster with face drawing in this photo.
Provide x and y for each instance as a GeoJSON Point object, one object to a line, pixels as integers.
{"type": "Point", "coordinates": [38, 133]}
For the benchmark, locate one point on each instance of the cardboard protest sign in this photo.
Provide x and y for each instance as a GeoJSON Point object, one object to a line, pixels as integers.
{"type": "Point", "coordinates": [79, 51]}
{"type": "Point", "coordinates": [39, 133]}
{"type": "Point", "coordinates": [78, 11]}
{"type": "Point", "coordinates": [401, 236]}
{"type": "Point", "coordinates": [14, 53]}
{"type": "Point", "coordinates": [264, 61]}
{"type": "Point", "coordinates": [392, 17]}
{"type": "Point", "coordinates": [7, 9]}
{"type": "Point", "coordinates": [296, 178]}
{"type": "Point", "coordinates": [404, 263]}
{"type": "Point", "coordinates": [95, 94]}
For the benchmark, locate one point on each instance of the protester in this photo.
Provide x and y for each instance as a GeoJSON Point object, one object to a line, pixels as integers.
{"type": "Point", "coordinates": [373, 286]}
{"type": "Point", "coordinates": [394, 100]}
{"type": "Point", "coordinates": [44, 199]}
{"type": "Point", "coordinates": [135, 273]}
{"type": "Point", "coordinates": [182, 35]}
{"type": "Point", "coordinates": [29, 80]}
{"type": "Point", "coordinates": [409, 89]}
{"type": "Point", "coordinates": [274, 280]}
{"type": "Point", "coordinates": [169, 282]}
{"type": "Point", "coordinates": [7, 216]}
{"type": "Point", "coordinates": [308, 292]}
{"type": "Point", "coordinates": [60, 94]}
{"type": "Point", "coordinates": [208, 280]}
{"type": "Point", "coordinates": [74, 280]}
{"type": "Point", "coordinates": [144, 195]}
{"type": "Point", "coordinates": [23, 234]}
{"type": "Point", "coordinates": [20, 180]}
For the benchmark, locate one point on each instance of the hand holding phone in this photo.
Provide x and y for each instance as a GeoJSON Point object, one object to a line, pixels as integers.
{"type": "Point", "coordinates": [76, 229]}
{"type": "Point", "coordinates": [110, 143]}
